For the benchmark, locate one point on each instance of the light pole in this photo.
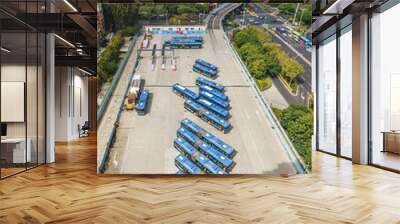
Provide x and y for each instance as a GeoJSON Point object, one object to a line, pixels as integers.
{"type": "Point", "coordinates": [301, 16]}
{"type": "Point", "coordinates": [295, 14]}
{"type": "Point", "coordinates": [244, 14]}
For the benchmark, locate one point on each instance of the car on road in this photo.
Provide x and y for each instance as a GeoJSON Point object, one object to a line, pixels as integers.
{"type": "Point", "coordinates": [282, 29]}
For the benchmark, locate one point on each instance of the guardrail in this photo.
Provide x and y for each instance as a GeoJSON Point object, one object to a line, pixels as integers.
{"type": "Point", "coordinates": [283, 138]}
{"type": "Point", "coordinates": [114, 82]}
{"type": "Point", "coordinates": [111, 138]}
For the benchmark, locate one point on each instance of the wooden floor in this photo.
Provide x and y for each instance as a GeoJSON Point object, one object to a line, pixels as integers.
{"type": "Point", "coordinates": [70, 191]}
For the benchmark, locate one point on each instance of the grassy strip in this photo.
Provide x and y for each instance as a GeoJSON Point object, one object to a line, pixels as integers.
{"type": "Point", "coordinates": [264, 84]}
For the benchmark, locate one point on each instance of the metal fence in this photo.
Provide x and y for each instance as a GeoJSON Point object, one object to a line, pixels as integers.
{"type": "Point", "coordinates": [111, 138]}
{"type": "Point", "coordinates": [114, 82]}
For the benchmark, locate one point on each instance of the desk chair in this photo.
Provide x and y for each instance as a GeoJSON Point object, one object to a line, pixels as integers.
{"type": "Point", "coordinates": [84, 130]}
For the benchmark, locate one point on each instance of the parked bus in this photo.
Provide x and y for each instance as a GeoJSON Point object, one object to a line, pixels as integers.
{"type": "Point", "coordinates": [184, 92]}
{"type": "Point", "coordinates": [209, 117]}
{"type": "Point", "coordinates": [186, 165]}
{"type": "Point", "coordinates": [217, 157]}
{"type": "Point", "coordinates": [206, 64]}
{"type": "Point", "coordinates": [189, 137]}
{"type": "Point", "coordinates": [141, 107]}
{"type": "Point", "coordinates": [194, 38]}
{"type": "Point", "coordinates": [214, 99]}
{"type": "Point", "coordinates": [208, 166]}
{"type": "Point", "coordinates": [209, 138]}
{"type": "Point", "coordinates": [219, 144]}
{"type": "Point", "coordinates": [214, 92]}
{"type": "Point", "coordinates": [181, 172]}
{"type": "Point", "coordinates": [185, 148]}
{"type": "Point", "coordinates": [210, 73]}
{"type": "Point", "coordinates": [213, 107]}
{"type": "Point", "coordinates": [183, 44]}
{"type": "Point", "coordinates": [202, 81]}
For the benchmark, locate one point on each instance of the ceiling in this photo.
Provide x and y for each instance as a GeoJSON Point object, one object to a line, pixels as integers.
{"type": "Point", "coordinates": [74, 22]}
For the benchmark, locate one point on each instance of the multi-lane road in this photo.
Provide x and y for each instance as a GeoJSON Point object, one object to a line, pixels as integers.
{"type": "Point", "coordinates": [292, 49]}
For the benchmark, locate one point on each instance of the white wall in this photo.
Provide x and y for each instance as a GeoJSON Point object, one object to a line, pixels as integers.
{"type": "Point", "coordinates": [33, 127]}
{"type": "Point", "coordinates": [71, 102]}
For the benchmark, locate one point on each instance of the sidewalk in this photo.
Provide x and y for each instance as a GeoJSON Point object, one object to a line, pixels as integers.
{"type": "Point", "coordinates": [110, 115]}
{"type": "Point", "coordinates": [275, 98]}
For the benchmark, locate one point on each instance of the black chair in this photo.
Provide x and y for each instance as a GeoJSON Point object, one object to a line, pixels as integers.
{"type": "Point", "coordinates": [84, 130]}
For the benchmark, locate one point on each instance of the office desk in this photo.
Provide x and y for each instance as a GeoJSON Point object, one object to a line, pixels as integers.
{"type": "Point", "coordinates": [13, 150]}
{"type": "Point", "coordinates": [391, 141]}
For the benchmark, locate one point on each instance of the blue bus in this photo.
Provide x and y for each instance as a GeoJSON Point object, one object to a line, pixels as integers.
{"type": "Point", "coordinates": [186, 165]}
{"type": "Point", "coordinates": [219, 144]}
{"type": "Point", "coordinates": [182, 40]}
{"type": "Point", "coordinates": [202, 81]}
{"type": "Point", "coordinates": [214, 92]}
{"type": "Point", "coordinates": [184, 92]}
{"type": "Point", "coordinates": [217, 157]}
{"type": "Point", "coordinates": [184, 147]}
{"type": "Point", "coordinates": [213, 107]}
{"type": "Point", "coordinates": [214, 99]}
{"type": "Point", "coordinates": [180, 171]}
{"type": "Point", "coordinates": [209, 138]}
{"type": "Point", "coordinates": [305, 42]}
{"type": "Point", "coordinates": [141, 106]}
{"type": "Point", "coordinates": [205, 71]}
{"type": "Point", "coordinates": [188, 136]}
{"type": "Point", "coordinates": [207, 116]}
{"type": "Point", "coordinates": [184, 44]}
{"type": "Point", "coordinates": [208, 166]}
{"type": "Point", "coordinates": [193, 127]}
{"type": "Point", "coordinates": [187, 144]}
{"type": "Point", "coordinates": [206, 64]}
{"type": "Point", "coordinates": [195, 38]}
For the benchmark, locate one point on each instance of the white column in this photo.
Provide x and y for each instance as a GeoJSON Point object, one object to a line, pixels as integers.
{"type": "Point", "coordinates": [360, 90]}
{"type": "Point", "coordinates": [50, 110]}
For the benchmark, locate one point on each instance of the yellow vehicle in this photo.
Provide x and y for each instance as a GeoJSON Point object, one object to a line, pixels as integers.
{"type": "Point", "coordinates": [129, 104]}
{"type": "Point", "coordinates": [148, 36]}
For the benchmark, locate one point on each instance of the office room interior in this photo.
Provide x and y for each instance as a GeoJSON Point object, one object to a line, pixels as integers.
{"type": "Point", "coordinates": [50, 162]}
{"type": "Point", "coordinates": [48, 82]}
{"type": "Point", "coordinates": [357, 83]}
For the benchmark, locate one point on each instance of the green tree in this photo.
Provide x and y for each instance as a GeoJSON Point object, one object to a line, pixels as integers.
{"type": "Point", "coordinates": [241, 38]}
{"type": "Point", "coordinates": [186, 9]}
{"type": "Point", "coordinates": [287, 8]}
{"type": "Point", "coordinates": [292, 113]}
{"type": "Point", "coordinates": [307, 16]}
{"type": "Point", "coordinates": [107, 63]}
{"type": "Point", "coordinates": [291, 69]}
{"type": "Point", "coordinates": [249, 52]}
{"type": "Point", "coordinates": [258, 68]}
{"type": "Point", "coordinates": [297, 121]}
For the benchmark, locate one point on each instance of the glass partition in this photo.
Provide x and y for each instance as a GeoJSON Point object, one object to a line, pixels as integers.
{"type": "Point", "coordinates": [327, 95]}
{"type": "Point", "coordinates": [385, 89]}
{"type": "Point", "coordinates": [22, 101]}
{"type": "Point", "coordinates": [346, 92]}
{"type": "Point", "coordinates": [14, 152]}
